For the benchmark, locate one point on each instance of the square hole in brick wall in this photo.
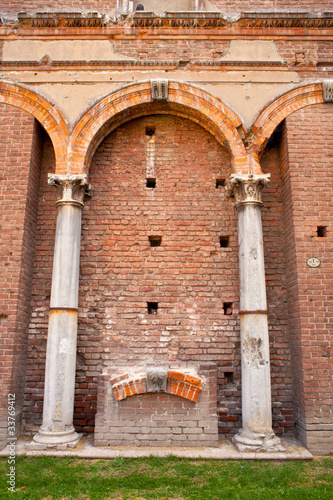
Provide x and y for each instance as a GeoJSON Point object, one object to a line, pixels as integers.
{"type": "Point", "coordinates": [155, 241]}
{"type": "Point", "coordinates": [229, 378]}
{"type": "Point", "coordinates": [227, 308]}
{"type": "Point", "coordinates": [150, 131]}
{"type": "Point", "coordinates": [321, 231]}
{"type": "Point", "coordinates": [152, 307]}
{"type": "Point", "coordinates": [151, 182]}
{"type": "Point", "coordinates": [224, 241]}
{"type": "Point", "coordinates": [220, 183]}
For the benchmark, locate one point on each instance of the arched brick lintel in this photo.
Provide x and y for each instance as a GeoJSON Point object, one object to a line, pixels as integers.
{"type": "Point", "coordinates": [273, 114]}
{"type": "Point", "coordinates": [197, 105]}
{"type": "Point", "coordinates": [46, 113]}
{"type": "Point", "coordinates": [178, 384]}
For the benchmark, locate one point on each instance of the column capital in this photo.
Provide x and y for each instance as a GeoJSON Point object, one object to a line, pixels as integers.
{"type": "Point", "coordinates": [246, 188]}
{"type": "Point", "coordinates": [72, 188]}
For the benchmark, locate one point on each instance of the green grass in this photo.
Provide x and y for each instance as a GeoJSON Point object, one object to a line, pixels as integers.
{"type": "Point", "coordinates": [49, 478]}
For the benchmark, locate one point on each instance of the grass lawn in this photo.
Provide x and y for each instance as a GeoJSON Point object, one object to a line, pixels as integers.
{"type": "Point", "coordinates": [49, 478]}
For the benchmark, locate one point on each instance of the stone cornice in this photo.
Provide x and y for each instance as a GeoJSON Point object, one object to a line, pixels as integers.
{"type": "Point", "coordinates": [195, 21]}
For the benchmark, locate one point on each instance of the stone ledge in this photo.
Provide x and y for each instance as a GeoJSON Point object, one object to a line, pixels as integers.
{"type": "Point", "coordinates": [225, 451]}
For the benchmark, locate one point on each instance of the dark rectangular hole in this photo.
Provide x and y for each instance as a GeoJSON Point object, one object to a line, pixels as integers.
{"type": "Point", "coordinates": [152, 307]}
{"type": "Point", "coordinates": [321, 231]}
{"type": "Point", "coordinates": [224, 241]}
{"type": "Point", "coordinates": [151, 182]}
{"type": "Point", "coordinates": [229, 378]}
{"type": "Point", "coordinates": [150, 131]}
{"type": "Point", "coordinates": [155, 241]}
{"type": "Point", "coordinates": [227, 308]}
{"type": "Point", "coordinates": [220, 182]}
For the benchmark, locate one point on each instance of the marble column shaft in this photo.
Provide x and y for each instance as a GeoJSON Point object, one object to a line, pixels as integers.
{"type": "Point", "coordinates": [256, 433]}
{"type": "Point", "coordinates": [57, 427]}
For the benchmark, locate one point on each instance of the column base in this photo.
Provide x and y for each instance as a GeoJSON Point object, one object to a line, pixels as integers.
{"type": "Point", "coordinates": [47, 440]}
{"type": "Point", "coordinates": [255, 442]}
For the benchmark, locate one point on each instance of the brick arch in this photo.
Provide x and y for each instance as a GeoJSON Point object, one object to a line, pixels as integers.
{"type": "Point", "coordinates": [46, 113]}
{"type": "Point", "coordinates": [273, 114]}
{"type": "Point", "coordinates": [135, 100]}
{"type": "Point", "coordinates": [178, 384]}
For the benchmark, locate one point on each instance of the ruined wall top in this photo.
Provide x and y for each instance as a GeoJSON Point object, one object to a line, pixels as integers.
{"type": "Point", "coordinates": [115, 8]}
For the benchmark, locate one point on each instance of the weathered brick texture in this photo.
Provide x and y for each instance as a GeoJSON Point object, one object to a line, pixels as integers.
{"type": "Point", "coordinates": [307, 186]}
{"type": "Point", "coordinates": [190, 275]}
{"type": "Point", "coordinates": [158, 419]}
{"type": "Point", "coordinates": [221, 5]}
{"type": "Point", "coordinates": [20, 157]}
{"type": "Point", "coordinates": [40, 294]}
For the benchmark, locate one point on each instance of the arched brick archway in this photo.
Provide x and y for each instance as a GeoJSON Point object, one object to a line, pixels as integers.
{"type": "Point", "coordinates": [273, 114]}
{"type": "Point", "coordinates": [46, 113]}
{"type": "Point", "coordinates": [135, 100]}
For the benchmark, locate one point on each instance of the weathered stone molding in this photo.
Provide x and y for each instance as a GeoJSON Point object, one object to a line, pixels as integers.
{"type": "Point", "coordinates": [176, 20]}
{"type": "Point", "coordinates": [170, 381]}
{"type": "Point", "coordinates": [247, 188]}
{"type": "Point", "coordinates": [72, 188]}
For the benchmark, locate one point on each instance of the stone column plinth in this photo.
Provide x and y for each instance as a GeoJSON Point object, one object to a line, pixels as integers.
{"type": "Point", "coordinates": [256, 433]}
{"type": "Point", "coordinates": [57, 429]}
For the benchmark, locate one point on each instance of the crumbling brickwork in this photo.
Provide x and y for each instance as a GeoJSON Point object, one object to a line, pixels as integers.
{"type": "Point", "coordinates": [20, 164]}
{"type": "Point", "coordinates": [308, 193]}
{"type": "Point", "coordinates": [159, 419]}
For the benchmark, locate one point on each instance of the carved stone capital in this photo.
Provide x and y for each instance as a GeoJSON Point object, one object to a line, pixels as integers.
{"type": "Point", "coordinates": [72, 188]}
{"type": "Point", "coordinates": [246, 188]}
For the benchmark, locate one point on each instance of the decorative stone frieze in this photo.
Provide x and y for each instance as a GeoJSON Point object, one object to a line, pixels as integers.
{"type": "Point", "coordinates": [159, 90]}
{"type": "Point", "coordinates": [247, 188]}
{"type": "Point", "coordinates": [72, 188]}
{"type": "Point", "coordinates": [328, 90]}
{"type": "Point", "coordinates": [176, 20]}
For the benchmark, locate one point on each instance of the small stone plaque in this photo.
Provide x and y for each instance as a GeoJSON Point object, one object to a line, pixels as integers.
{"type": "Point", "coordinates": [313, 262]}
{"type": "Point", "coordinates": [157, 379]}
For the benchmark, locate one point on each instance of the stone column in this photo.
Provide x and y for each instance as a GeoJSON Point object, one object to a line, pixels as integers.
{"type": "Point", "coordinates": [256, 433]}
{"type": "Point", "coordinates": [57, 429]}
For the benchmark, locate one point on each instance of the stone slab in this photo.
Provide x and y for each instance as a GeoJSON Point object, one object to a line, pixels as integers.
{"type": "Point", "coordinates": [225, 451]}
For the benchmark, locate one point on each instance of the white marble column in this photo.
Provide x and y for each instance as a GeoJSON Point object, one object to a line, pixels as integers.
{"type": "Point", "coordinates": [256, 433]}
{"type": "Point", "coordinates": [57, 429]}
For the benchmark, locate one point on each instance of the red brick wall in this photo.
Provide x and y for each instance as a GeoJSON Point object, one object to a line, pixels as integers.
{"type": "Point", "coordinates": [196, 50]}
{"type": "Point", "coordinates": [222, 5]}
{"type": "Point", "coordinates": [296, 53]}
{"type": "Point", "coordinates": [20, 156]}
{"type": "Point", "coordinates": [271, 5]}
{"type": "Point", "coordinates": [33, 6]}
{"type": "Point", "coordinates": [305, 52]}
{"type": "Point", "coordinates": [190, 275]}
{"type": "Point", "coordinates": [308, 204]}
{"type": "Point", "coordinates": [40, 293]}
{"type": "Point", "coordinates": [276, 286]}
